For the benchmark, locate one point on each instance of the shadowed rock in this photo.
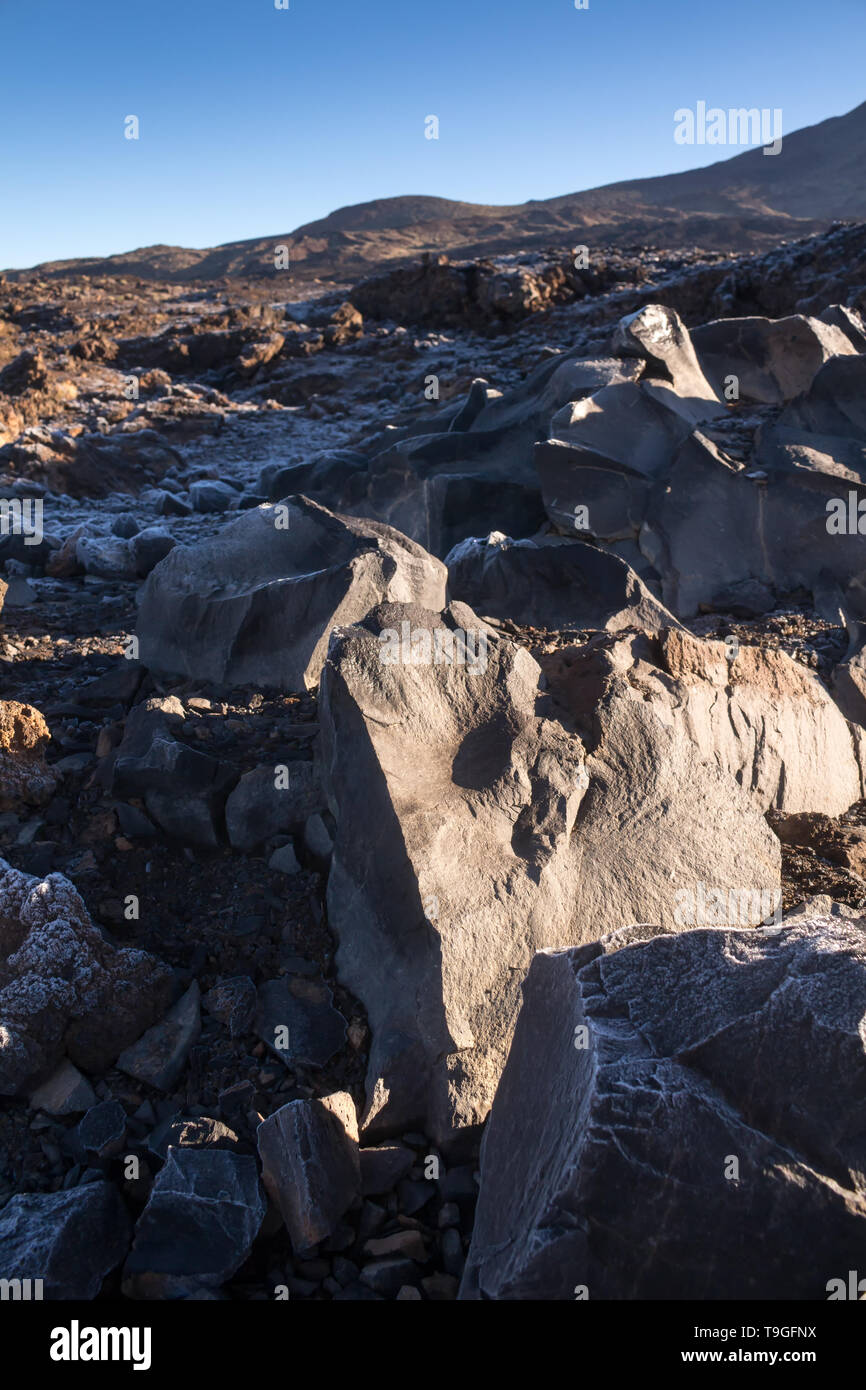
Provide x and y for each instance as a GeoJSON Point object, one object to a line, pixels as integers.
{"type": "Point", "coordinates": [705, 1082]}
{"type": "Point", "coordinates": [63, 988]}
{"type": "Point", "coordinates": [70, 1240]}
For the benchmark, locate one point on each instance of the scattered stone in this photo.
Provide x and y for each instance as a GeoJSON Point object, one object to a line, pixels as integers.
{"type": "Point", "coordinates": [159, 1056]}
{"type": "Point", "coordinates": [284, 860]}
{"type": "Point", "coordinates": [198, 1228]}
{"type": "Point", "coordinates": [296, 1018]}
{"type": "Point", "coordinates": [233, 1003]}
{"type": "Point", "coordinates": [719, 1073]}
{"type": "Point", "coordinates": [70, 1239]}
{"type": "Point", "coordinates": [310, 1168]}
{"type": "Point", "coordinates": [383, 1167]}
{"type": "Point", "coordinates": [102, 1130]}
{"type": "Point", "coordinates": [66, 1092]}
{"type": "Point", "coordinates": [201, 1133]}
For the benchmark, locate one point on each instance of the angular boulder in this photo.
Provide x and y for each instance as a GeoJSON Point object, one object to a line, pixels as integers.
{"type": "Point", "coordinates": [204, 1212]}
{"type": "Point", "coordinates": [310, 1165]}
{"type": "Point", "coordinates": [70, 1240]}
{"type": "Point", "coordinates": [761, 718]}
{"type": "Point", "coordinates": [680, 1118]}
{"type": "Point", "coordinates": [552, 583]}
{"type": "Point", "coordinates": [474, 827]}
{"type": "Point", "coordinates": [774, 360]}
{"type": "Point", "coordinates": [254, 605]}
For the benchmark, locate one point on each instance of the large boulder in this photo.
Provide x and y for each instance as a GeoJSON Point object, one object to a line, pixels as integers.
{"type": "Point", "coordinates": [773, 360]}
{"type": "Point", "coordinates": [552, 582]}
{"type": "Point", "coordinates": [64, 990]}
{"type": "Point", "coordinates": [254, 605]}
{"type": "Point", "coordinates": [763, 719]}
{"type": "Point", "coordinates": [680, 1118]}
{"type": "Point", "coordinates": [473, 828]}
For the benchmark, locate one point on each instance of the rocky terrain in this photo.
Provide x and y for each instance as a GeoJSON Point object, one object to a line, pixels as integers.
{"type": "Point", "coordinates": [433, 777]}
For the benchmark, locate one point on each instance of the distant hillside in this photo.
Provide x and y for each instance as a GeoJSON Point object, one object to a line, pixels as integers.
{"type": "Point", "coordinates": [745, 203]}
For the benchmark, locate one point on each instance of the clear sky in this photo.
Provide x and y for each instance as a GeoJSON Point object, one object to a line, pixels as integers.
{"type": "Point", "coordinates": [254, 120]}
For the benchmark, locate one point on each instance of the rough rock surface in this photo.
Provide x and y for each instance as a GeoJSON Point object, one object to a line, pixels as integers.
{"type": "Point", "coordinates": [63, 988]}
{"type": "Point", "coordinates": [473, 829]}
{"type": "Point", "coordinates": [198, 1227]}
{"type": "Point", "coordinates": [702, 1082]}
{"type": "Point", "coordinates": [256, 605]}
{"type": "Point", "coordinates": [760, 717]}
{"type": "Point", "coordinates": [310, 1165]}
{"type": "Point", "coordinates": [24, 776]}
{"type": "Point", "coordinates": [70, 1240]}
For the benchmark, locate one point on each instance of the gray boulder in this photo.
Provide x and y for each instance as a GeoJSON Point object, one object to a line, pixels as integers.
{"type": "Point", "coordinates": [680, 1118]}
{"type": "Point", "coordinates": [270, 800]}
{"type": "Point", "coordinates": [210, 495]}
{"type": "Point", "coordinates": [764, 720]}
{"type": "Point", "coordinates": [204, 1212]}
{"type": "Point", "coordinates": [256, 603]}
{"type": "Point", "coordinates": [115, 557]}
{"type": "Point", "coordinates": [774, 360]}
{"type": "Point", "coordinates": [553, 583]}
{"type": "Point", "coordinates": [70, 1239]}
{"type": "Point", "coordinates": [310, 1165]}
{"type": "Point", "coordinates": [474, 827]}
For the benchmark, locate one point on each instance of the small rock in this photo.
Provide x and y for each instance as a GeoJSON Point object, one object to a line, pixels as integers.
{"type": "Point", "coordinates": [284, 860]}
{"type": "Point", "coordinates": [210, 495]}
{"type": "Point", "coordinates": [66, 1092]}
{"type": "Point", "coordinates": [409, 1244]}
{"type": "Point", "coordinates": [387, 1277]}
{"type": "Point", "coordinates": [102, 1130]}
{"type": "Point", "coordinates": [233, 1003]}
{"type": "Point", "coordinates": [383, 1167]}
{"type": "Point", "coordinates": [296, 1019]}
{"type": "Point", "coordinates": [159, 1056]}
{"type": "Point", "coordinates": [310, 1168]}
{"type": "Point", "coordinates": [200, 1133]}
{"type": "Point", "coordinates": [205, 1210]}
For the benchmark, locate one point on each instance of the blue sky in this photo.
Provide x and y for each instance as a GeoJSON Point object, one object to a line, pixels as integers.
{"type": "Point", "coordinates": [255, 120]}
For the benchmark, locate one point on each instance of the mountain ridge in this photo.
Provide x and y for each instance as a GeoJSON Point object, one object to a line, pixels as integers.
{"type": "Point", "coordinates": [746, 202]}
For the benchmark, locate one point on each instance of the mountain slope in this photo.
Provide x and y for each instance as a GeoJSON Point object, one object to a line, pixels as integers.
{"type": "Point", "coordinates": [747, 202]}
